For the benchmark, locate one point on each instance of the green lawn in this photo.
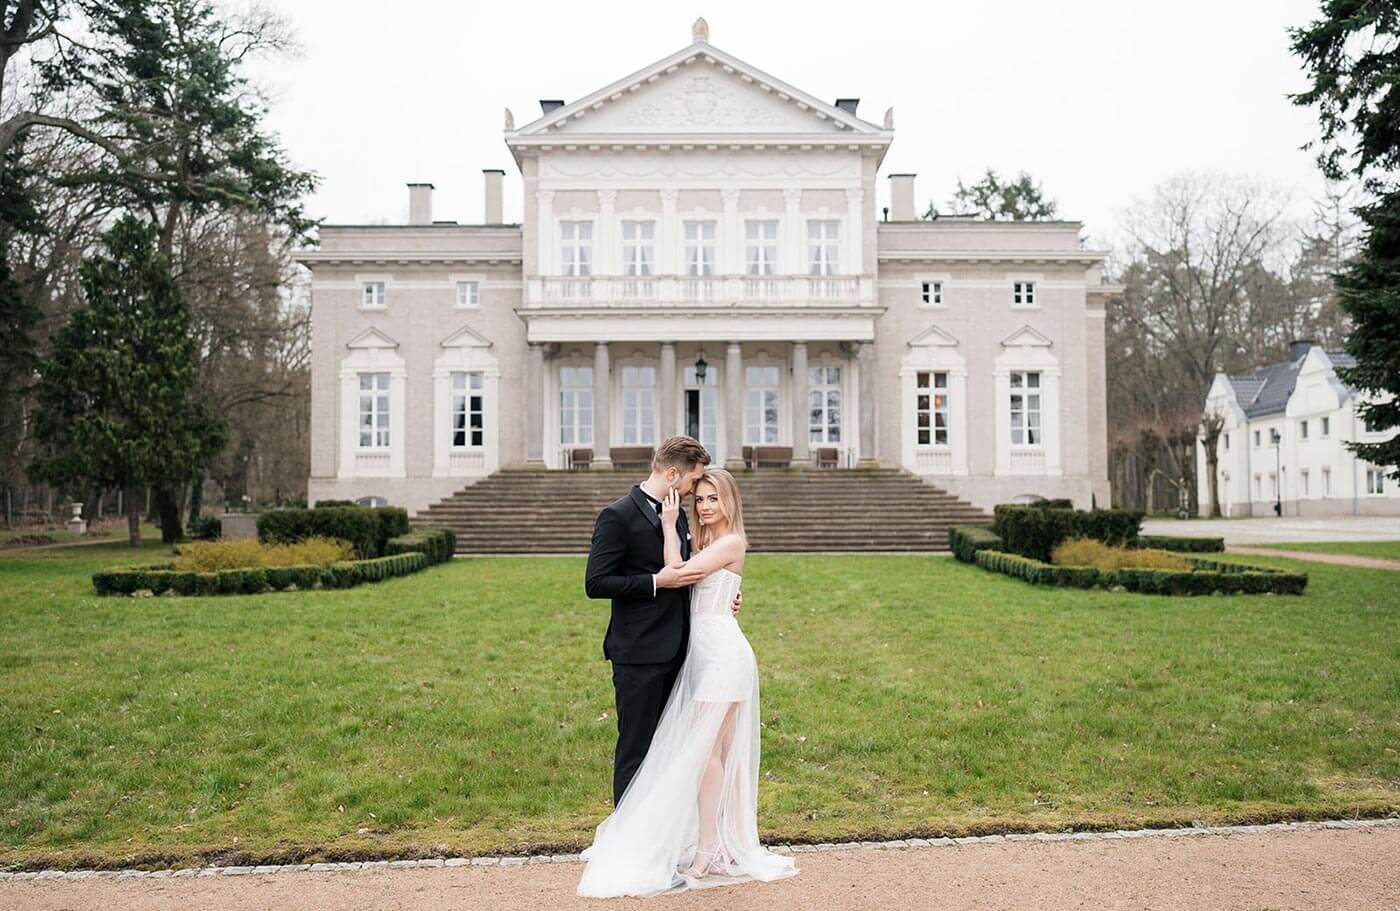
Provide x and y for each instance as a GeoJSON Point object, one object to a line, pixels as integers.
{"type": "Point", "coordinates": [468, 708]}
{"type": "Point", "coordinates": [64, 536]}
{"type": "Point", "coordinates": [1385, 550]}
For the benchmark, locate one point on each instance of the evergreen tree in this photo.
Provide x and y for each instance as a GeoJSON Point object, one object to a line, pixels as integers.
{"type": "Point", "coordinates": [115, 395]}
{"type": "Point", "coordinates": [1352, 56]}
{"type": "Point", "coordinates": [996, 199]}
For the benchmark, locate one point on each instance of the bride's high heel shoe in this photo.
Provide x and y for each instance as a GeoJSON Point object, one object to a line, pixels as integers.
{"type": "Point", "coordinates": [704, 863]}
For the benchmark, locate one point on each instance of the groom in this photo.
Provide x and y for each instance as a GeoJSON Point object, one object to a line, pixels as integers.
{"type": "Point", "coordinates": [650, 625]}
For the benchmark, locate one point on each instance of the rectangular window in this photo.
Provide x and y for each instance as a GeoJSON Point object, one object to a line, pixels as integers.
{"type": "Point", "coordinates": [373, 296]}
{"type": "Point", "coordinates": [931, 408]}
{"type": "Point", "coordinates": [576, 406]}
{"type": "Point", "coordinates": [576, 248]}
{"type": "Point", "coordinates": [638, 247]}
{"type": "Point", "coordinates": [932, 293]}
{"type": "Point", "coordinates": [374, 410]}
{"type": "Point", "coordinates": [468, 294]}
{"type": "Point", "coordinates": [1258, 488]}
{"type": "Point", "coordinates": [1303, 476]}
{"type": "Point", "coordinates": [824, 404]}
{"type": "Point", "coordinates": [1303, 429]}
{"type": "Point", "coordinates": [1375, 482]}
{"type": "Point", "coordinates": [824, 247]}
{"type": "Point", "coordinates": [1025, 408]}
{"type": "Point", "coordinates": [468, 410]}
{"type": "Point", "coordinates": [761, 247]}
{"type": "Point", "coordinates": [700, 248]}
{"type": "Point", "coordinates": [1023, 294]}
{"type": "Point", "coordinates": [638, 405]}
{"type": "Point", "coordinates": [1326, 482]}
{"type": "Point", "coordinates": [1256, 438]}
{"type": "Point", "coordinates": [1326, 427]}
{"type": "Point", "coordinates": [761, 405]}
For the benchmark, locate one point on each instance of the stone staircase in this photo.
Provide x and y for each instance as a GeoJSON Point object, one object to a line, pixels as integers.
{"type": "Point", "coordinates": [879, 509]}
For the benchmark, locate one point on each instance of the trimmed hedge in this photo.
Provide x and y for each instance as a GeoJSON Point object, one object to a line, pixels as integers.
{"type": "Point", "coordinates": [163, 577]}
{"type": "Point", "coordinates": [437, 544]}
{"type": "Point", "coordinates": [1208, 577]}
{"type": "Point", "coordinates": [966, 540]}
{"type": "Point", "coordinates": [1033, 531]}
{"type": "Point", "coordinates": [1052, 504]}
{"type": "Point", "coordinates": [367, 528]}
{"type": "Point", "coordinates": [1182, 545]}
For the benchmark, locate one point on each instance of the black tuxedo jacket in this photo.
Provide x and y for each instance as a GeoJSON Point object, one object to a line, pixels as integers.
{"type": "Point", "coordinates": [627, 550]}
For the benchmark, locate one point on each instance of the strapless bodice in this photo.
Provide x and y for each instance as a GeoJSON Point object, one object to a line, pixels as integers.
{"type": "Point", "coordinates": [715, 593]}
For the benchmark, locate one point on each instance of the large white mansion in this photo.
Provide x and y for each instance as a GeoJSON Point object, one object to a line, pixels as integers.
{"type": "Point", "coordinates": [701, 253]}
{"type": "Point", "coordinates": [1283, 442]}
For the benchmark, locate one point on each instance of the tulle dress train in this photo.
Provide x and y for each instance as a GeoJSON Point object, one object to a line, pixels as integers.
{"type": "Point", "coordinates": [651, 838]}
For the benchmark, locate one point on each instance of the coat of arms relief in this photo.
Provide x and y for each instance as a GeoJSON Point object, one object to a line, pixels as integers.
{"type": "Point", "coordinates": [701, 102]}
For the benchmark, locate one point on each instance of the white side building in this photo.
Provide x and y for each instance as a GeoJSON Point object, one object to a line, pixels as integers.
{"type": "Point", "coordinates": [1284, 442]}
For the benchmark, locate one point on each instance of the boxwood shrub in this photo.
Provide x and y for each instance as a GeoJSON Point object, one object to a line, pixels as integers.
{"type": "Point", "coordinates": [1182, 545]}
{"type": "Point", "coordinates": [438, 544]}
{"type": "Point", "coordinates": [966, 540]}
{"type": "Point", "coordinates": [1208, 577]}
{"type": "Point", "coordinates": [163, 577]}
{"type": "Point", "coordinates": [1033, 531]}
{"type": "Point", "coordinates": [359, 525]}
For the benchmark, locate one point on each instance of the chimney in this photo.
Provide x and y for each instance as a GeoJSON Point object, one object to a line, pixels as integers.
{"type": "Point", "coordinates": [549, 104]}
{"type": "Point", "coordinates": [492, 196]}
{"type": "Point", "coordinates": [901, 197]}
{"type": "Point", "coordinates": [420, 203]}
{"type": "Point", "coordinates": [1298, 348]}
{"type": "Point", "coordinates": [848, 105]}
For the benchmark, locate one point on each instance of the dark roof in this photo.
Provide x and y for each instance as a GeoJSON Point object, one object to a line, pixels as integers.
{"type": "Point", "coordinates": [1267, 390]}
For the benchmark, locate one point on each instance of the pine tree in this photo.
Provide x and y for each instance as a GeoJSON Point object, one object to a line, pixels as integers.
{"type": "Point", "coordinates": [115, 398]}
{"type": "Point", "coordinates": [1352, 56]}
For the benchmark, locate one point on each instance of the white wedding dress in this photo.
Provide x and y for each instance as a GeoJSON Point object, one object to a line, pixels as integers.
{"type": "Point", "coordinates": [648, 842]}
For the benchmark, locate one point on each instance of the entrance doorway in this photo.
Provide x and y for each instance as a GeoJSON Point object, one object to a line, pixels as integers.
{"type": "Point", "coordinates": [701, 409]}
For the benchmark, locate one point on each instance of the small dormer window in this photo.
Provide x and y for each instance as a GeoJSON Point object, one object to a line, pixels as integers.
{"type": "Point", "coordinates": [373, 296]}
{"type": "Point", "coordinates": [1326, 427]}
{"type": "Point", "coordinates": [932, 293]}
{"type": "Point", "coordinates": [1023, 294]}
{"type": "Point", "coordinates": [1303, 429]}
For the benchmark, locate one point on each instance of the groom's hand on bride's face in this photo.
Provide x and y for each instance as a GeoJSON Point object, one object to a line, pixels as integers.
{"type": "Point", "coordinates": [738, 603]}
{"type": "Point", "coordinates": [678, 576]}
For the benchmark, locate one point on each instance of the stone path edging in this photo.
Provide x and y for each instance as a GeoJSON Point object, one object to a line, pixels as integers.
{"type": "Point", "coordinates": [899, 844]}
{"type": "Point", "coordinates": [1317, 557]}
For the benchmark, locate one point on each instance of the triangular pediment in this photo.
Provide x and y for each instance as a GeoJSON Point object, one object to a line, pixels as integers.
{"type": "Point", "coordinates": [699, 90]}
{"type": "Point", "coordinates": [933, 337]}
{"type": "Point", "coordinates": [465, 338]}
{"type": "Point", "coordinates": [371, 338]}
{"type": "Point", "coordinates": [1026, 337]}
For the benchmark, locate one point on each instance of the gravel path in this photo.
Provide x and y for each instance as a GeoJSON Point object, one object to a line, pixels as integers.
{"type": "Point", "coordinates": [1336, 559]}
{"type": "Point", "coordinates": [1332, 869]}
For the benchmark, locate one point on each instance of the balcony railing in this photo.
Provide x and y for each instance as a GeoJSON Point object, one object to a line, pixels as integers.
{"type": "Point", "coordinates": [701, 291]}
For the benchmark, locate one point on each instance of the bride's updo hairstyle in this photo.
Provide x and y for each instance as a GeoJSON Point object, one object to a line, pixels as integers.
{"type": "Point", "coordinates": [730, 505]}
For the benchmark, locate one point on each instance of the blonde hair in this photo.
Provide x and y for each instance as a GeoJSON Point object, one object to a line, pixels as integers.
{"type": "Point", "coordinates": [730, 505]}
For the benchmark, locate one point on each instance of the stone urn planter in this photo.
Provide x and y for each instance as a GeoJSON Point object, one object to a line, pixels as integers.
{"type": "Point", "coordinates": [76, 524]}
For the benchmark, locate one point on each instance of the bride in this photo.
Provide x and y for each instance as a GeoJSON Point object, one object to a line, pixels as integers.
{"type": "Point", "coordinates": [689, 817]}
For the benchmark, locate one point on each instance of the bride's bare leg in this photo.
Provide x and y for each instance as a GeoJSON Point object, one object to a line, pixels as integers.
{"type": "Point", "coordinates": [711, 785]}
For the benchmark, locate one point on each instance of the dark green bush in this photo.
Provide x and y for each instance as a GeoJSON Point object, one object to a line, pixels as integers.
{"type": "Point", "coordinates": [1053, 504]}
{"type": "Point", "coordinates": [393, 521]}
{"type": "Point", "coordinates": [966, 540]}
{"type": "Point", "coordinates": [206, 528]}
{"type": "Point", "coordinates": [1038, 572]}
{"type": "Point", "coordinates": [1033, 531]}
{"type": "Point", "coordinates": [356, 524]}
{"type": "Point", "coordinates": [164, 577]}
{"type": "Point", "coordinates": [1182, 545]}
{"type": "Point", "coordinates": [323, 504]}
{"type": "Point", "coordinates": [438, 544]}
{"type": "Point", "coordinates": [1207, 578]}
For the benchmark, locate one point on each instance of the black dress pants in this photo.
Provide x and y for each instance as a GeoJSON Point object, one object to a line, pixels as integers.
{"type": "Point", "coordinates": [641, 692]}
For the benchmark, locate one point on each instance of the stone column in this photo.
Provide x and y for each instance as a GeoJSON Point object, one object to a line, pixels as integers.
{"type": "Point", "coordinates": [729, 247]}
{"type": "Point", "coordinates": [666, 393]}
{"type": "Point", "coordinates": [605, 255]}
{"type": "Point", "coordinates": [801, 453]}
{"type": "Point", "coordinates": [602, 413]}
{"type": "Point", "coordinates": [667, 256]}
{"type": "Point", "coordinates": [733, 406]}
{"type": "Point", "coordinates": [865, 360]}
{"type": "Point", "coordinates": [534, 406]}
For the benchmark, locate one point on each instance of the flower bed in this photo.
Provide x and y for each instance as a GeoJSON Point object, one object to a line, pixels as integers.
{"type": "Point", "coordinates": [163, 578]}
{"type": "Point", "coordinates": [1206, 576]}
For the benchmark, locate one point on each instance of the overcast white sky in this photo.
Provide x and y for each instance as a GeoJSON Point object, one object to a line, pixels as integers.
{"type": "Point", "coordinates": [1097, 100]}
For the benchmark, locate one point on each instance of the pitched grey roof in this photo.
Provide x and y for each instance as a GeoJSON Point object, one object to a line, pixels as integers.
{"type": "Point", "coordinates": [1267, 390]}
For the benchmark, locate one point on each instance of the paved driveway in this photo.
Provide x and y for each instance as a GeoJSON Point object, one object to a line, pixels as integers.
{"type": "Point", "coordinates": [1269, 530]}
